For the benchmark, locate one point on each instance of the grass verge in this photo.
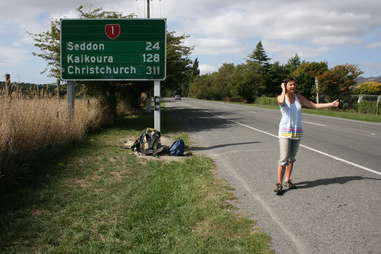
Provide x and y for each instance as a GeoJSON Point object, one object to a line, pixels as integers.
{"type": "Point", "coordinates": [99, 198]}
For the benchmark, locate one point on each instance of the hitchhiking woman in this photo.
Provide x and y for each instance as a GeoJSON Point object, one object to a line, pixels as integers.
{"type": "Point", "coordinates": [291, 130]}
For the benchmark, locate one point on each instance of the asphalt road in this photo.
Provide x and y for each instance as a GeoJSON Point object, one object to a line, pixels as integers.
{"type": "Point", "coordinates": [337, 205]}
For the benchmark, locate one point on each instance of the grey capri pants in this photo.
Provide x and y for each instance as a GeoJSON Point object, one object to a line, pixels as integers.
{"type": "Point", "coordinates": [288, 149]}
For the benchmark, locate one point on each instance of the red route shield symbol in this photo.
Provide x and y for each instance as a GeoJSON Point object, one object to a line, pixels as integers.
{"type": "Point", "coordinates": [112, 31]}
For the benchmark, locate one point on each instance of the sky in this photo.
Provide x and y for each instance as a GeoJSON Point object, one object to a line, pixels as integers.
{"type": "Point", "coordinates": [221, 31]}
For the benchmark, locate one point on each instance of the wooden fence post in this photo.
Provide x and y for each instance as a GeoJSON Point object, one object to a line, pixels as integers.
{"type": "Point", "coordinates": [7, 84]}
{"type": "Point", "coordinates": [58, 89]}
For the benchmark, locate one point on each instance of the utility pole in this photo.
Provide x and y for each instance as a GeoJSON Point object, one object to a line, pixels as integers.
{"type": "Point", "coordinates": [317, 89]}
{"type": "Point", "coordinates": [156, 91]}
{"type": "Point", "coordinates": [148, 9]}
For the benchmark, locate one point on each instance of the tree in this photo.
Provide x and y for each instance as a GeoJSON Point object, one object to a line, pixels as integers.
{"type": "Point", "coordinates": [201, 86]}
{"type": "Point", "coordinates": [249, 81]}
{"type": "Point", "coordinates": [224, 81]}
{"type": "Point", "coordinates": [179, 64]}
{"type": "Point", "coordinates": [259, 56]}
{"type": "Point", "coordinates": [195, 68]}
{"type": "Point", "coordinates": [305, 76]}
{"type": "Point", "coordinates": [370, 87]}
{"type": "Point", "coordinates": [293, 63]}
{"type": "Point", "coordinates": [277, 73]}
{"type": "Point", "coordinates": [338, 81]}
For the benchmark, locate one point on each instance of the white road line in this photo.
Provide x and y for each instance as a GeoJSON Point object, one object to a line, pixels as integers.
{"type": "Point", "coordinates": [318, 124]}
{"type": "Point", "coordinates": [307, 147]}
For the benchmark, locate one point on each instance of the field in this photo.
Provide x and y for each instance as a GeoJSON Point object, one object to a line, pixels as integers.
{"type": "Point", "coordinates": [29, 126]}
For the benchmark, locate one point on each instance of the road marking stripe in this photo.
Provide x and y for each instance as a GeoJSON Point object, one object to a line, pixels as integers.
{"type": "Point", "coordinates": [307, 147]}
{"type": "Point", "coordinates": [318, 124]}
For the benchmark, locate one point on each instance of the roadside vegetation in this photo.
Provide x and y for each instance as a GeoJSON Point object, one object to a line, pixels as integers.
{"type": "Point", "coordinates": [29, 126]}
{"type": "Point", "coordinates": [97, 197]}
{"type": "Point", "coordinates": [333, 113]}
{"type": "Point", "coordinates": [257, 80]}
{"type": "Point", "coordinates": [363, 111]}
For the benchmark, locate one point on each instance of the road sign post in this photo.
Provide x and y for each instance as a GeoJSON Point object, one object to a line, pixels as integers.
{"type": "Point", "coordinates": [156, 94]}
{"type": "Point", "coordinates": [114, 50]}
{"type": "Point", "coordinates": [71, 98]}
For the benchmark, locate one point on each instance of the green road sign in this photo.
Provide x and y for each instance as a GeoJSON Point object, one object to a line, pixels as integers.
{"type": "Point", "coordinates": [113, 49]}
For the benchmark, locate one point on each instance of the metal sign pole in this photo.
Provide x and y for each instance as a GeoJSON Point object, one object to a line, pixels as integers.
{"type": "Point", "coordinates": [70, 98]}
{"type": "Point", "coordinates": [317, 89]}
{"type": "Point", "coordinates": [156, 94]}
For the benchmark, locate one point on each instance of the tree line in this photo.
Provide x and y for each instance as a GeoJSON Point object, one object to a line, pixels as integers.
{"type": "Point", "coordinates": [257, 77]}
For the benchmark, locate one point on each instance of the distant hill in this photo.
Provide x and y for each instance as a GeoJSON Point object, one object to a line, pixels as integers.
{"type": "Point", "coordinates": [363, 79]}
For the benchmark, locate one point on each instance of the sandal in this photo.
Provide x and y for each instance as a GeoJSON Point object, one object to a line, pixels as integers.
{"type": "Point", "coordinates": [290, 185]}
{"type": "Point", "coordinates": [278, 189]}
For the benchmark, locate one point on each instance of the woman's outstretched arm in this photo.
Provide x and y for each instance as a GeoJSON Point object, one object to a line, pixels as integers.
{"type": "Point", "coordinates": [309, 104]}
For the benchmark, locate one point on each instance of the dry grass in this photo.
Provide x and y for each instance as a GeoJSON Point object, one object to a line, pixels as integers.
{"type": "Point", "coordinates": [28, 125]}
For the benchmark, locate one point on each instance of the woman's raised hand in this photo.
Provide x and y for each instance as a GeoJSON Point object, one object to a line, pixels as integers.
{"type": "Point", "coordinates": [283, 86]}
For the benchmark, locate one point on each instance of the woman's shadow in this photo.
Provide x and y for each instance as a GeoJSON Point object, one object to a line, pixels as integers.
{"type": "Point", "coordinates": [328, 181]}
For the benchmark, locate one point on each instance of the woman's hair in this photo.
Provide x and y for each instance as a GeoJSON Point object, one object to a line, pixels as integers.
{"type": "Point", "coordinates": [285, 81]}
{"type": "Point", "coordinates": [288, 80]}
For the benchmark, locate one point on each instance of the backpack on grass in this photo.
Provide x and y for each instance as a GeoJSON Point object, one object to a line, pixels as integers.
{"type": "Point", "coordinates": [148, 142]}
{"type": "Point", "coordinates": [177, 148]}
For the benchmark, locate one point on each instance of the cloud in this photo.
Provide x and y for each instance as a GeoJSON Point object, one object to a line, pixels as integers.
{"type": "Point", "coordinates": [284, 51]}
{"type": "Point", "coordinates": [206, 68]}
{"type": "Point", "coordinates": [372, 45]}
{"type": "Point", "coordinates": [313, 21]}
{"type": "Point", "coordinates": [328, 22]}
{"type": "Point", "coordinates": [372, 68]}
{"type": "Point", "coordinates": [335, 40]}
{"type": "Point", "coordinates": [215, 46]}
{"type": "Point", "coordinates": [11, 56]}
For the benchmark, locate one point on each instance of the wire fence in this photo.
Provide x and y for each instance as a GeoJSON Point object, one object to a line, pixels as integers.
{"type": "Point", "coordinates": [364, 104]}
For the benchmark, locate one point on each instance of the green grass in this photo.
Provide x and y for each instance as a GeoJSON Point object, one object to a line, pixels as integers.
{"type": "Point", "coordinates": [100, 198]}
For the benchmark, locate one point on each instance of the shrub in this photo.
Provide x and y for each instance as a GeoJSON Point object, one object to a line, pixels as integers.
{"type": "Point", "coordinates": [369, 107]}
{"type": "Point", "coordinates": [372, 88]}
{"type": "Point", "coordinates": [266, 100]}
